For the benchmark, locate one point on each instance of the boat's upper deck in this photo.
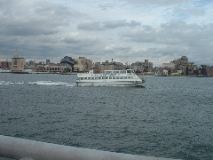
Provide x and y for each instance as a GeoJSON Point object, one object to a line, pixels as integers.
{"type": "Point", "coordinates": [108, 73]}
{"type": "Point", "coordinates": [128, 71]}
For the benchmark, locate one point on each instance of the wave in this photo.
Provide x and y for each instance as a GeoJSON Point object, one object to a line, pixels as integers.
{"type": "Point", "coordinates": [39, 83]}
{"type": "Point", "coordinates": [51, 83]}
{"type": "Point", "coordinates": [6, 83]}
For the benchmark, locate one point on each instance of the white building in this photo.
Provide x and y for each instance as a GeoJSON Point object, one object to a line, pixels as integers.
{"type": "Point", "coordinates": [18, 64]}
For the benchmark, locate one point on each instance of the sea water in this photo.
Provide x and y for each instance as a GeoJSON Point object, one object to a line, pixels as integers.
{"type": "Point", "coordinates": [170, 117]}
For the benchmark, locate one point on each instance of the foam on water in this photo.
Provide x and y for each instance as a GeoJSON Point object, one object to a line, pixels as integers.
{"type": "Point", "coordinates": [51, 83]}
{"type": "Point", "coordinates": [6, 83]}
{"type": "Point", "coordinates": [39, 83]}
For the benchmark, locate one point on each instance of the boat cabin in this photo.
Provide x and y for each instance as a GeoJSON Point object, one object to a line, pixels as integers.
{"type": "Point", "coordinates": [108, 74]}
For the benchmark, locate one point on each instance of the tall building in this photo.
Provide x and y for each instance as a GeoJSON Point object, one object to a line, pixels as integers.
{"type": "Point", "coordinates": [47, 61]}
{"type": "Point", "coordinates": [5, 65]}
{"type": "Point", "coordinates": [100, 67]}
{"type": "Point", "coordinates": [210, 71]}
{"type": "Point", "coordinates": [18, 64]}
{"type": "Point", "coordinates": [184, 65]}
{"type": "Point", "coordinates": [83, 65]}
{"type": "Point", "coordinates": [68, 62]}
{"type": "Point", "coordinates": [140, 67]}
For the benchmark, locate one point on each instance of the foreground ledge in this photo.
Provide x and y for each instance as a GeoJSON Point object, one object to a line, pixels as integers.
{"type": "Point", "coordinates": [22, 149]}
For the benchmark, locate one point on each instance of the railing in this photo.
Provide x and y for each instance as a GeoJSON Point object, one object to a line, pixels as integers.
{"type": "Point", "coordinates": [22, 149]}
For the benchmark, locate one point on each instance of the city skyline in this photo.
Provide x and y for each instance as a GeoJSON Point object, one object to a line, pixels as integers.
{"type": "Point", "coordinates": [125, 30]}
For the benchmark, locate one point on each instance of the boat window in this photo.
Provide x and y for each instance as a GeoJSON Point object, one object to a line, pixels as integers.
{"type": "Point", "coordinates": [123, 71]}
{"type": "Point", "coordinates": [107, 72]}
{"type": "Point", "coordinates": [130, 71]}
{"type": "Point", "coordinates": [110, 77]}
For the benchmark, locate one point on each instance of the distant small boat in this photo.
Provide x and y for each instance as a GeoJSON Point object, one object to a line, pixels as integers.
{"type": "Point", "coordinates": [123, 78]}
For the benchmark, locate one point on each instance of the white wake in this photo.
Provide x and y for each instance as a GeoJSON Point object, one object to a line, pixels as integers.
{"type": "Point", "coordinates": [6, 83]}
{"type": "Point", "coordinates": [51, 83]}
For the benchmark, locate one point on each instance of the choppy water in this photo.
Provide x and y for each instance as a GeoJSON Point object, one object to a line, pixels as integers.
{"type": "Point", "coordinates": [171, 117]}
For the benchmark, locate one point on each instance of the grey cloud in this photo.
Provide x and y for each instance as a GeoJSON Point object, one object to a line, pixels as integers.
{"type": "Point", "coordinates": [189, 11]}
{"type": "Point", "coordinates": [99, 26]}
{"type": "Point", "coordinates": [176, 39]}
{"type": "Point", "coordinates": [172, 34]}
{"type": "Point", "coordinates": [154, 2]}
{"type": "Point", "coordinates": [106, 6]}
{"type": "Point", "coordinates": [25, 18]}
{"type": "Point", "coordinates": [25, 29]}
{"type": "Point", "coordinates": [81, 43]}
{"type": "Point", "coordinates": [50, 46]}
{"type": "Point", "coordinates": [46, 29]}
{"type": "Point", "coordinates": [36, 27]}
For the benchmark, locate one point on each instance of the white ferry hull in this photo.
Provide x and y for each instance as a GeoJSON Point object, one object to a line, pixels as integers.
{"type": "Point", "coordinates": [110, 83]}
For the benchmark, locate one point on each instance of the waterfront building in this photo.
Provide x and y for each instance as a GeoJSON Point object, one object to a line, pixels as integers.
{"type": "Point", "coordinates": [51, 68]}
{"type": "Point", "coordinates": [141, 67]}
{"type": "Point", "coordinates": [113, 65]}
{"type": "Point", "coordinates": [148, 66]}
{"type": "Point", "coordinates": [5, 65]}
{"type": "Point", "coordinates": [170, 66]}
{"type": "Point", "coordinates": [83, 64]}
{"type": "Point", "coordinates": [188, 68]}
{"type": "Point", "coordinates": [209, 71]}
{"type": "Point", "coordinates": [30, 64]}
{"type": "Point", "coordinates": [205, 70]}
{"type": "Point", "coordinates": [48, 61]}
{"type": "Point", "coordinates": [69, 63]}
{"type": "Point", "coordinates": [18, 64]}
{"type": "Point", "coordinates": [165, 72]}
{"type": "Point", "coordinates": [178, 67]}
{"type": "Point", "coordinates": [55, 68]}
{"type": "Point", "coordinates": [138, 67]}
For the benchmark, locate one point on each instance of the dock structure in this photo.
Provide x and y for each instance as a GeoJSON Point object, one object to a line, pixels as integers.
{"type": "Point", "coordinates": [22, 149]}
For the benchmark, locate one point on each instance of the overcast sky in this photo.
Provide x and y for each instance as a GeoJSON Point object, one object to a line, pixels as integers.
{"type": "Point", "coordinates": [125, 30]}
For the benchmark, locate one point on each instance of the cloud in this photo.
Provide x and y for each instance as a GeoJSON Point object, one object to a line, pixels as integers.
{"type": "Point", "coordinates": [175, 39]}
{"type": "Point", "coordinates": [155, 2]}
{"type": "Point", "coordinates": [128, 30]}
{"type": "Point", "coordinates": [22, 18]}
{"type": "Point", "coordinates": [106, 25]}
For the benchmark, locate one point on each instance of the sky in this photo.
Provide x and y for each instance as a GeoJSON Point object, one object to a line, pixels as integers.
{"type": "Point", "coordinates": [122, 30]}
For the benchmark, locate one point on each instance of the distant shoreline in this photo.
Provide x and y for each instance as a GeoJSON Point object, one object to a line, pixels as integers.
{"type": "Point", "coordinates": [9, 72]}
{"type": "Point", "coordinates": [75, 73]}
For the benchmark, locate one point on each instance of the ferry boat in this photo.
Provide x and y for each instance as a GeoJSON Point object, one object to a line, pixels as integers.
{"type": "Point", "coordinates": [110, 78]}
